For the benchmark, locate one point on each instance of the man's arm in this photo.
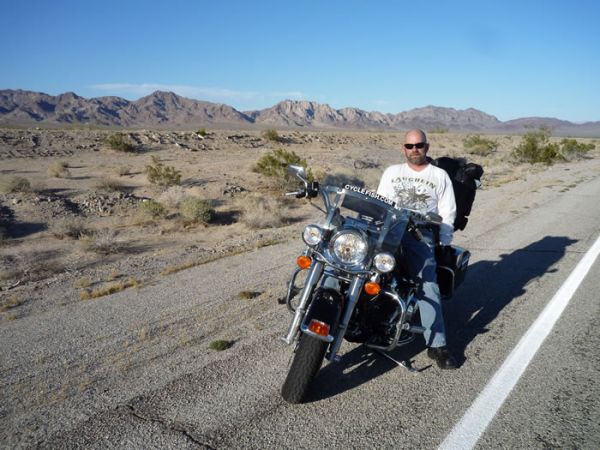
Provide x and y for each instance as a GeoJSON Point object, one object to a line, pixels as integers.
{"type": "Point", "coordinates": [447, 209]}
{"type": "Point", "coordinates": [385, 184]}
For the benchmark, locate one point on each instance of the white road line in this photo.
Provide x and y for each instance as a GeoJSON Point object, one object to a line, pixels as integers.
{"type": "Point", "coordinates": [469, 429]}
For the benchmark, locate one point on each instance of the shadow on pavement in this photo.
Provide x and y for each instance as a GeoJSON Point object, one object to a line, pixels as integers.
{"type": "Point", "coordinates": [489, 287]}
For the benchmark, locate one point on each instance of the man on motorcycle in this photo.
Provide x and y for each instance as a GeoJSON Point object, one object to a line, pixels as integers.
{"type": "Point", "coordinates": [419, 185]}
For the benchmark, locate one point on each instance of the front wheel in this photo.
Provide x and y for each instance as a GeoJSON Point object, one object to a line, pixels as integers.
{"type": "Point", "coordinates": [307, 361]}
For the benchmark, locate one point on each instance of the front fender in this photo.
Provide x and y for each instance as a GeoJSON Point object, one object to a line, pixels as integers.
{"type": "Point", "coordinates": [326, 306]}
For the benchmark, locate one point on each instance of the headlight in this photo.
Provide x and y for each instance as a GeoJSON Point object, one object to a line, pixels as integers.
{"type": "Point", "coordinates": [349, 247]}
{"type": "Point", "coordinates": [312, 235]}
{"type": "Point", "coordinates": [384, 262]}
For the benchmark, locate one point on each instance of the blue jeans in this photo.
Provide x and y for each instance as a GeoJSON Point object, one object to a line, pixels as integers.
{"type": "Point", "coordinates": [420, 262]}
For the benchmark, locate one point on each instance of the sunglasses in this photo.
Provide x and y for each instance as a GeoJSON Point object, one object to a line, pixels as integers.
{"type": "Point", "coordinates": [418, 145]}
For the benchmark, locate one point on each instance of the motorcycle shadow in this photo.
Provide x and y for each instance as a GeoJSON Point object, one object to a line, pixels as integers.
{"type": "Point", "coordinates": [360, 365]}
{"type": "Point", "coordinates": [491, 285]}
{"type": "Point", "coordinates": [488, 288]}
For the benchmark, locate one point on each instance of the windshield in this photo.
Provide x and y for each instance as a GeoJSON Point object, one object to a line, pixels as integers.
{"type": "Point", "coordinates": [366, 203]}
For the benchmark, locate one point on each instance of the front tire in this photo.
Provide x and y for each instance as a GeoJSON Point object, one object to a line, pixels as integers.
{"type": "Point", "coordinates": [307, 361]}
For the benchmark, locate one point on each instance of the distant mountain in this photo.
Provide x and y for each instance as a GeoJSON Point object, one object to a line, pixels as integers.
{"type": "Point", "coordinates": [311, 114]}
{"type": "Point", "coordinates": [160, 109]}
{"type": "Point", "coordinates": [168, 110]}
{"type": "Point", "coordinates": [437, 117]}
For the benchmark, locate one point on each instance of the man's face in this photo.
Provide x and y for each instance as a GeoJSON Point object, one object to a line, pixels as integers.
{"type": "Point", "coordinates": [415, 155]}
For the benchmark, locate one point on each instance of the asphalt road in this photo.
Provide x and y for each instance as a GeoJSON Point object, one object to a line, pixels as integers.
{"type": "Point", "coordinates": [134, 370]}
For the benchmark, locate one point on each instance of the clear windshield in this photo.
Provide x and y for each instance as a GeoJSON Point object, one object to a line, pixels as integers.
{"type": "Point", "coordinates": [367, 203]}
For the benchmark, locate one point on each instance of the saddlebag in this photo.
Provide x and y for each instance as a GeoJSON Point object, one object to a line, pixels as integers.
{"type": "Point", "coordinates": [465, 180]}
{"type": "Point", "coordinates": [452, 263]}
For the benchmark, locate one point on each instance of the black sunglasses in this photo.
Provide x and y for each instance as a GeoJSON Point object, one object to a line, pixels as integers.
{"type": "Point", "coordinates": [419, 145]}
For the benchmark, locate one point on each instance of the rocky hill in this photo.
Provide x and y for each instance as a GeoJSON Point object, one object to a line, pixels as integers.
{"type": "Point", "coordinates": [168, 110]}
{"type": "Point", "coordinates": [160, 109]}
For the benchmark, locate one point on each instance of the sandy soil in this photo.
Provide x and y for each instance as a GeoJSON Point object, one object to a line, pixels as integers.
{"type": "Point", "coordinates": [40, 269]}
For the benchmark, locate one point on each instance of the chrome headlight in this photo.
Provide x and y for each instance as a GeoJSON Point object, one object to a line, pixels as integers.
{"type": "Point", "coordinates": [312, 235]}
{"type": "Point", "coordinates": [384, 262]}
{"type": "Point", "coordinates": [349, 247]}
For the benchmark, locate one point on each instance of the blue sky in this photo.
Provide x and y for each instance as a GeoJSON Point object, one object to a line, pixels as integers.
{"type": "Point", "coordinates": [508, 58]}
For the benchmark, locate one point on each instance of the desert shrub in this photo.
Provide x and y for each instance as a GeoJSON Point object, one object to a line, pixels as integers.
{"type": "Point", "coordinates": [104, 242]}
{"type": "Point", "coordinates": [59, 169]}
{"type": "Point", "coordinates": [109, 185]}
{"type": "Point", "coordinates": [271, 135]}
{"type": "Point", "coordinates": [260, 211]}
{"type": "Point", "coordinates": [162, 175]}
{"type": "Point", "coordinates": [67, 227]}
{"type": "Point", "coordinates": [202, 132]}
{"type": "Point", "coordinates": [153, 209]}
{"type": "Point", "coordinates": [120, 142]}
{"type": "Point", "coordinates": [88, 294]}
{"type": "Point", "coordinates": [221, 344]}
{"type": "Point", "coordinates": [571, 148]}
{"type": "Point", "coordinates": [8, 303]}
{"type": "Point", "coordinates": [12, 183]}
{"type": "Point", "coordinates": [196, 209]}
{"type": "Point", "coordinates": [535, 147]}
{"type": "Point", "coordinates": [172, 196]}
{"type": "Point", "coordinates": [274, 165]}
{"type": "Point", "coordinates": [248, 295]}
{"type": "Point", "coordinates": [477, 145]}
{"type": "Point", "coordinates": [82, 282]}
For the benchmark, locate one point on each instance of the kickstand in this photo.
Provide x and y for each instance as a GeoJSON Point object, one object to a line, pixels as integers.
{"type": "Point", "coordinates": [405, 364]}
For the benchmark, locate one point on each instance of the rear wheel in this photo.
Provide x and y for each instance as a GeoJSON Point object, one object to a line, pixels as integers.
{"type": "Point", "coordinates": [307, 361]}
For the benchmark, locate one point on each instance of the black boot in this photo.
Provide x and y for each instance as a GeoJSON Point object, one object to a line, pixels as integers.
{"type": "Point", "coordinates": [442, 357]}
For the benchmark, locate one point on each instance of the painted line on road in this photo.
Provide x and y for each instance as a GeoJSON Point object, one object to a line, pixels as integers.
{"type": "Point", "coordinates": [471, 426]}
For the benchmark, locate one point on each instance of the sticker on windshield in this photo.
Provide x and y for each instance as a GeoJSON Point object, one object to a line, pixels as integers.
{"type": "Point", "coordinates": [371, 194]}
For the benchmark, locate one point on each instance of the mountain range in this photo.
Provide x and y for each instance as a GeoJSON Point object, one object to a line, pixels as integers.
{"type": "Point", "coordinates": [168, 110]}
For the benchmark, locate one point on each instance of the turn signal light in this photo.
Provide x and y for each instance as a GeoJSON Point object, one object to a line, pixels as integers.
{"type": "Point", "coordinates": [372, 288]}
{"type": "Point", "coordinates": [303, 261]}
{"type": "Point", "coordinates": [318, 327]}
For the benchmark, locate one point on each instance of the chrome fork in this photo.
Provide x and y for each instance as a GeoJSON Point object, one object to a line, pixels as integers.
{"type": "Point", "coordinates": [311, 281]}
{"type": "Point", "coordinates": [353, 296]}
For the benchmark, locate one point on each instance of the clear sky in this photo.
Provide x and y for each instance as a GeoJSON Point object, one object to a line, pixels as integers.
{"type": "Point", "coordinates": [508, 58]}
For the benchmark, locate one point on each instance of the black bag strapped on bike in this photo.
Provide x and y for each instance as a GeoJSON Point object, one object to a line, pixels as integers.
{"type": "Point", "coordinates": [452, 262]}
{"type": "Point", "coordinates": [465, 180]}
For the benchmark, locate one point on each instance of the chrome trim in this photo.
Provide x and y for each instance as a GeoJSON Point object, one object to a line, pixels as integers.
{"type": "Point", "coordinates": [311, 281]}
{"type": "Point", "coordinates": [292, 285]}
{"type": "Point", "coordinates": [399, 324]}
{"type": "Point", "coordinates": [336, 259]}
{"type": "Point", "coordinates": [336, 265]}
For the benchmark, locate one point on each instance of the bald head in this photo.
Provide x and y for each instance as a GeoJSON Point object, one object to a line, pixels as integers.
{"type": "Point", "coordinates": [416, 148]}
{"type": "Point", "coordinates": [415, 135]}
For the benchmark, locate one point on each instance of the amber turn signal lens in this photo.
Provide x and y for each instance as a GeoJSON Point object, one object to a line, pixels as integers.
{"type": "Point", "coordinates": [304, 262]}
{"type": "Point", "coordinates": [318, 327]}
{"type": "Point", "coordinates": [372, 288]}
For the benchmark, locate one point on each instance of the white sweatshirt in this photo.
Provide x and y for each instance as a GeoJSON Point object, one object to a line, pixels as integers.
{"type": "Point", "coordinates": [429, 190]}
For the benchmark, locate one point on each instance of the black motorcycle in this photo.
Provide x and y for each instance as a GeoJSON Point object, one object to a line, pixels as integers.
{"type": "Point", "coordinates": [355, 286]}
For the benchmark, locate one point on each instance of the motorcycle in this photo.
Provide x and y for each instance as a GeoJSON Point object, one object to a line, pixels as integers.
{"type": "Point", "coordinates": [355, 286]}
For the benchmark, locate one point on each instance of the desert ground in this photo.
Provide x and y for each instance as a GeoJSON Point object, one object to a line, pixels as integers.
{"type": "Point", "coordinates": [80, 233]}
{"type": "Point", "coordinates": [78, 182]}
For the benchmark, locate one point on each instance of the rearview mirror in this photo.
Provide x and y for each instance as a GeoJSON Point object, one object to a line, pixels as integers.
{"type": "Point", "coordinates": [297, 171]}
